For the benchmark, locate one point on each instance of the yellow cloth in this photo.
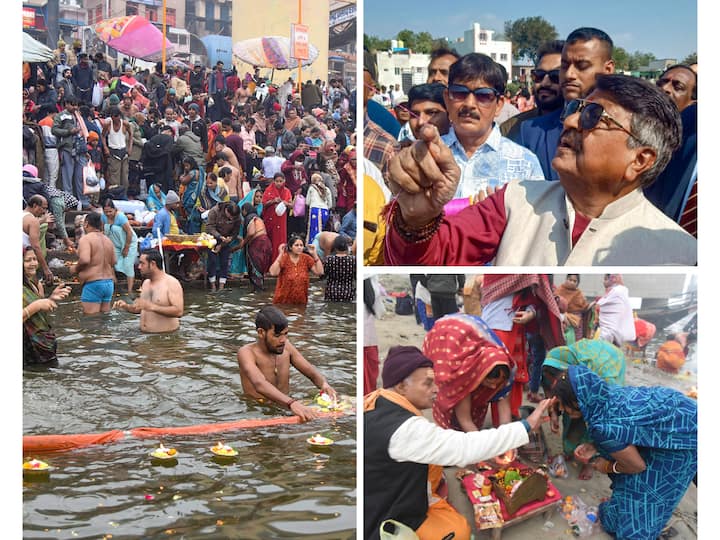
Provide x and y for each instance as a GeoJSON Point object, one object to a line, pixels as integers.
{"type": "Point", "coordinates": [174, 229]}
{"type": "Point", "coordinates": [373, 240]}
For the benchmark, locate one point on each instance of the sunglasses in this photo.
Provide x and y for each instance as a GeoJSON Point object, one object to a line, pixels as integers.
{"type": "Point", "coordinates": [483, 95]}
{"type": "Point", "coordinates": [538, 75]}
{"type": "Point", "coordinates": [590, 114]}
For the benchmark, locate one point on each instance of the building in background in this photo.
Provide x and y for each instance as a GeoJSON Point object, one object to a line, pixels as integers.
{"type": "Point", "coordinates": [480, 40]}
{"type": "Point", "coordinates": [209, 17]}
{"type": "Point", "coordinates": [71, 16]}
{"type": "Point", "coordinates": [401, 66]}
{"type": "Point", "coordinates": [342, 44]}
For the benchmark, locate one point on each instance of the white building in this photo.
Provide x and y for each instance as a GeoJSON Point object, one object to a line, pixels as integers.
{"type": "Point", "coordinates": [402, 67]}
{"type": "Point", "coordinates": [480, 40]}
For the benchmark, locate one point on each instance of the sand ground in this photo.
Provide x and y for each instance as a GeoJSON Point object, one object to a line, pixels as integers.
{"type": "Point", "coordinates": [402, 330]}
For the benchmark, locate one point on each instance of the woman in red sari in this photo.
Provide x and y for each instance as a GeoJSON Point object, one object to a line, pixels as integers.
{"type": "Point", "coordinates": [293, 267]}
{"type": "Point", "coordinates": [472, 369]}
{"type": "Point", "coordinates": [517, 304]}
{"type": "Point", "coordinates": [276, 225]}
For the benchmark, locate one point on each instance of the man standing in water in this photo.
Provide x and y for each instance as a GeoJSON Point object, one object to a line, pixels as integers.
{"type": "Point", "coordinates": [95, 266]}
{"type": "Point", "coordinates": [265, 364]}
{"type": "Point", "coordinates": [161, 301]}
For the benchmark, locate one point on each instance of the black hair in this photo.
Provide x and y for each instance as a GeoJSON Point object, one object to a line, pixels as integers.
{"type": "Point", "coordinates": [222, 155]}
{"type": "Point", "coordinates": [220, 139]}
{"type": "Point", "coordinates": [683, 66]}
{"type": "Point", "coordinates": [550, 47]}
{"type": "Point", "coordinates": [655, 118]}
{"type": "Point", "coordinates": [478, 66]}
{"type": "Point", "coordinates": [153, 255]}
{"type": "Point", "coordinates": [271, 317]}
{"type": "Point", "coordinates": [233, 208]}
{"type": "Point", "coordinates": [107, 202]}
{"type": "Point", "coordinates": [36, 200]}
{"type": "Point", "coordinates": [190, 160]}
{"type": "Point", "coordinates": [340, 243]}
{"type": "Point", "coordinates": [294, 238]}
{"type": "Point", "coordinates": [443, 51]}
{"type": "Point", "coordinates": [587, 33]}
{"type": "Point", "coordinates": [226, 121]}
{"type": "Point", "coordinates": [94, 219]}
{"type": "Point", "coordinates": [563, 390]}
{"type": "Point", "coordinates": [114, 111]}
{"type": "Point", "coordinates": [549, 376]}
{"type": "Point", "coordinates": [236, 127]}
{"type": "Point", "coordinates": [427, 92]}
{"type": "Point", "coordinates": [248, 209]}
{"type": "Point", "coordinates": [576, 275]}
{"type": "Point", "coordinates": [281, 175]}
{"type": "Point", "coordinates": [224, 172]}
{"type": "Point", "coordinates": [498, 371]}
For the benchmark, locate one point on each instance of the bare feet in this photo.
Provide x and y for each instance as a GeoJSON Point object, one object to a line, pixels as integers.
{"type": "Point", "coordinates": [586, 473]}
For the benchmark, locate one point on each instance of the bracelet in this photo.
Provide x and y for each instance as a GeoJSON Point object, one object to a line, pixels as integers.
{"type": "Point", "coordinates": [414, 236]}
{"type": "Point", "coordinates": [608, 467]}
{"type": "Point", "coordinates": [27, 313]}
{"type": "Point", "coordinates": [289, 403]}
{"type": "Point", "coordinates": [525, 423]}
{"type": "Point", "coordinates": [614, 467]}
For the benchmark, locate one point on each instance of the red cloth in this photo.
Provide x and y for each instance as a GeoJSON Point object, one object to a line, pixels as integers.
{"type": "Point", "coordinates": [581, 223]}
{"type": "Point", "coordinates": [294, 178]}
{"type": "Point", "coordinates": [688, 219]}
{"type": "Point", "coordinates": [471, 238]}
{"type": "Point", "coordinates": [294, 280]}
{"type": "Point", "coordinates": [276, 225]}
{"type": "Point", "coordinates": [462, 358]}
{"type": "Point", "coordinates": [371, 368]}
{"type": "Point", "coordinates": [516, 343]}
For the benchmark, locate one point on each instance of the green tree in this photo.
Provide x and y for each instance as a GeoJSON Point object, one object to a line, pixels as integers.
{"type": "Point", "coordinates": [424, 43]}
{"type": "Point", "coordinates": [528, 34]}
{"type": "Point", "coordinates": [440, 43]}
{"type": "Point", "coordinates": [408, 37]}
{"type": "Point", "coordinates": [690, 59]}
{"type": "Point", "coordinates": [374, 43]}
{"type": "Point", "coordinates": [640, 59]}
{"type": "Point", "coordinates": [622, 59]}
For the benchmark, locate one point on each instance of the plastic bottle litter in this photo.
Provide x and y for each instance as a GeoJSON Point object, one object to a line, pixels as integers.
{"type": "Point", "coordinates": [580, 517]}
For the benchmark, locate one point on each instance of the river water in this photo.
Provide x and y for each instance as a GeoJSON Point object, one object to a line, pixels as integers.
{"type": "Point", "coordinates": [113, 377]}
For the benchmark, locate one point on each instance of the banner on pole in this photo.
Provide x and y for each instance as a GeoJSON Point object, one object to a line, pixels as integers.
{"type": "Point", "coordinates": [300, 41]}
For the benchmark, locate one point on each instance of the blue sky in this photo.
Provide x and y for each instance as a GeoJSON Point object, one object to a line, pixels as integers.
{"type": "Point", "coordinates": [666, 28]}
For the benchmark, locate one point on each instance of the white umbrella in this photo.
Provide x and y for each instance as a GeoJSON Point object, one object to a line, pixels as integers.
{"type": "Point", "coordinates": [34, 51]}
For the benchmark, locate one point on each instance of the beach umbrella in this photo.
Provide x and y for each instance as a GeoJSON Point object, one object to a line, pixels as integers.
{"type": "Point", "coordinates": [270, 52]}
{"type": "Point", "coordinates": [34, 51]}
{"type": "Point", "coordinates": [133, 35]}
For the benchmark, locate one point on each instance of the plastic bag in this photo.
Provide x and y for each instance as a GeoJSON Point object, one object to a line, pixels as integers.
{"type": "Point", "coordinates": [280, 208]}
{"type": "Point", "coordinates": [97, 95]}
{"type": "Point", "coordinates": [299, 206]}
{"type": "Point", "coordinates": [91, 183]}
{"type": "Point", "coordinates": [558, 467]}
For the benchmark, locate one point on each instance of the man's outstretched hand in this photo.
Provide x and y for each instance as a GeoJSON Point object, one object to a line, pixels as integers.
{"type": "Point", "coordinates": [424, 177]}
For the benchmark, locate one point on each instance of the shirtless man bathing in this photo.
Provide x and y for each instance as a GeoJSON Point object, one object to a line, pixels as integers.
{"type": "Point", "coordinates": [161, 301]}
{"type": "Point", "coordinates": [265, 365]}
{"type": "Point", "coordinates": [95, 266]}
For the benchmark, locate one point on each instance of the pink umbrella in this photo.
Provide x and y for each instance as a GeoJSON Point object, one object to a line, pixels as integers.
{"type": "Point", "coordinates": [132, 35]}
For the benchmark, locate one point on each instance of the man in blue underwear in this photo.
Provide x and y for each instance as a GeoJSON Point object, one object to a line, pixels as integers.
{"type": "Point", "coordinates": [96, 259]}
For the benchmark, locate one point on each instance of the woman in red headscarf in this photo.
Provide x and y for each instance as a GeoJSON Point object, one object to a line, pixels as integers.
{"type": "Point", "coordinates": [513, 306]}
{"type": "Point", "coordinates": [472, 369]}
{"type": "Point", "coordinates": [276, 199]}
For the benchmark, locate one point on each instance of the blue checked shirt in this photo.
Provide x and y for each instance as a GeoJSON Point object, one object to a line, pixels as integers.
{"type": "Point", "coordinates": [494, 164]}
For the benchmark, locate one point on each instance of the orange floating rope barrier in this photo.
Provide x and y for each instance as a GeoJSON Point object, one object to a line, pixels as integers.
{"type": "Point", "coordinates": [54, 443]}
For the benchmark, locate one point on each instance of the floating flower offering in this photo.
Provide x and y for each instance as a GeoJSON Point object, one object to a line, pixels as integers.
{"type": "Point", "coordinates": [319, 440]}
{"type": "Point", "coordinates": [223, 450]}
{"type": "Point", "coordinates": [164, 453]}
{"type": "Point", "coordinates": [35, 465]}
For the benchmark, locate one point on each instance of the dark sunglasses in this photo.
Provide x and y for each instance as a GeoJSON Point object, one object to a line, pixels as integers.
{"type": "Point", "coordinates": [539, 74]}
{"type": "Point", "coordinates": [483, 95]}
{"type": "Point", "coordinates": [590, 114]}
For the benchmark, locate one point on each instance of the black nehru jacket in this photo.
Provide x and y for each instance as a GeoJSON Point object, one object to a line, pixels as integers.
{"type": "Point", "coordinates": [393, 490]}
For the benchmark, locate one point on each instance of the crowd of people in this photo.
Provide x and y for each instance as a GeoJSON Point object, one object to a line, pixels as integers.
{"type": "Point", "coordinates": [267, 170]}
{"type": "Point", "coordinates": [536, 336]}
{"type": "Point", "coordinates": [457, 175]}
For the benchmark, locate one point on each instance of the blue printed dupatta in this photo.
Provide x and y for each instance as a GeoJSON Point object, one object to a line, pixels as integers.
{"type": "Point", "coordinates": [662, 424]}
